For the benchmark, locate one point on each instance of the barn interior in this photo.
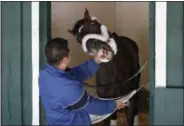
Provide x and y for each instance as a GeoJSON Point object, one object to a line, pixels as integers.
{"type": "Point", "coordinates": [129, 19]}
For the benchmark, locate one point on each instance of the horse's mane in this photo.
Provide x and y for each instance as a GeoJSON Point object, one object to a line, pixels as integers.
{"type": "Point", "coordinates": [76, 27]}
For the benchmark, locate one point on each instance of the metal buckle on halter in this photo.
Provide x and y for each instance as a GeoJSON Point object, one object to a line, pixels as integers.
{"type": "Point", "coordinates": [127, 104]}
{"type": "Point", "coordinates": [108, 40]}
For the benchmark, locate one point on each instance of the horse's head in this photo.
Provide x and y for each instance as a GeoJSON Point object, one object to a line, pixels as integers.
{"type": "Point", "coordinates": [88, 32]}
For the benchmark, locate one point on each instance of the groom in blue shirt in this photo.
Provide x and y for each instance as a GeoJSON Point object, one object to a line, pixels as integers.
{"type": "Point", "coordinates": [65, 99]}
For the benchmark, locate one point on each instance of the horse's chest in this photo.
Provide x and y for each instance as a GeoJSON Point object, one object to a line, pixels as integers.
{"type": "Point", "coordinates": [123, 64]}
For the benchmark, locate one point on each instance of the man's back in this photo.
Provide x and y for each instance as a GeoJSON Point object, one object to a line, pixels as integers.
{"type": "Point", "coordinates": [53, 86]}
{"type": "Point", "coordinates": [65, 99]}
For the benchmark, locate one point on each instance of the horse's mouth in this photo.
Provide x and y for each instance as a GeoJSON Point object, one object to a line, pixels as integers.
{"type": "Point", "coordinates": [108, 50]}
{"type": "Point", "coordinates": [106, 56]}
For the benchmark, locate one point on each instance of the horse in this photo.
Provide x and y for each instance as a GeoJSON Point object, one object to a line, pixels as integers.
{"type": "Point", "coordinates": [112, 76]}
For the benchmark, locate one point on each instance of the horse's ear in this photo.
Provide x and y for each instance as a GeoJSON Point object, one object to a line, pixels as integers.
{"type": "Point", "coordinates": [86, 15]}
{"type": "Point", "coordinates": [71, 32]}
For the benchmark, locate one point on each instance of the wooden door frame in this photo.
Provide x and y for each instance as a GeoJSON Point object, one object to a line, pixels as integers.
{"type": "Point", "coordinates": [16, 72]}
{"type": "Point", "coordinates": [151, 61]}
{"type": "Point", "coordinates": [45, 35]}
{"type": "Point", "coordinates": [0, 62]}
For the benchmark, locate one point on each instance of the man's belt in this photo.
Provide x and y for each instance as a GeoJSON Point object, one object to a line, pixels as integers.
{"type": "Point", "coordinates": [80, 103]}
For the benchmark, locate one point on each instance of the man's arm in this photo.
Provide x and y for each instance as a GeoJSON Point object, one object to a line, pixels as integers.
{"type": "Point", "coordinates": [84, 71]}
{"type": "Point", "coordinates": [78, 100]}
{"type": "Point", "coordinates": [96, 106]}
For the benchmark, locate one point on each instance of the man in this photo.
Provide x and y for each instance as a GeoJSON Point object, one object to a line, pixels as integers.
{"type": "Point", "coordinates": [61, 89]}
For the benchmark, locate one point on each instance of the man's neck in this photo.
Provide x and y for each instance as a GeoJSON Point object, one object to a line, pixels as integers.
{"type": "Point", "coordinates": [62, 67]}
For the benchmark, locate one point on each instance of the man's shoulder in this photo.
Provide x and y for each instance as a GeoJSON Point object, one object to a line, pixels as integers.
{"type": "Point", "coordinates": [43, 74]}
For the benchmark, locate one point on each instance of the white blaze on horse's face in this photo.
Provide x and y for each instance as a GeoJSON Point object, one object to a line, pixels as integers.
{"type": "Point", "coordinates": [93, 18]}
{"type": "Point", "coordinates": [80, 29]}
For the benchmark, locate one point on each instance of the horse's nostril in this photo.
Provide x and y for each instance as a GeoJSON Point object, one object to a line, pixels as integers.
{"type": "Point", "coordinates": [95, 44]}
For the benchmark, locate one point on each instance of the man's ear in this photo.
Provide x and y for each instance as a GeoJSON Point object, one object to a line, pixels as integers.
{"type": "Point", "coordinates": [86, 15]}
{"type": "Point", "coordinates": [64, 60]}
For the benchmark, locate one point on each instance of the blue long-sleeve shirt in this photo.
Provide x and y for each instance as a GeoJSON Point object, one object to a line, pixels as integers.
{"type": "Point", "coordinates": [62, 89]}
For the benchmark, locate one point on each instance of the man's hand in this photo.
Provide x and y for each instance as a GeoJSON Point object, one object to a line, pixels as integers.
{"type": "Point", "coordinates": [119, 105]}
{"type": "Point", "coordinates": [100, 54]}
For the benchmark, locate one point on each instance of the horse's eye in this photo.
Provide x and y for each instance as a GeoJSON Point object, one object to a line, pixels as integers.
{"type": "Point", "coordinates": [92, 23]}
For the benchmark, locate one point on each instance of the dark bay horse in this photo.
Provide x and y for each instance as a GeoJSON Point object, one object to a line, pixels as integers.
{"type": "Point", "coordinates": [111, 76]}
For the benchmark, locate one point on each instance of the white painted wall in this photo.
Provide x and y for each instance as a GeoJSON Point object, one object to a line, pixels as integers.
{"type": "Point", "coordinates": [160, 43]}
{"type": "Point", "coordinates": [35, 63]}
{"type": "Point", "coordinates": [0, 62]}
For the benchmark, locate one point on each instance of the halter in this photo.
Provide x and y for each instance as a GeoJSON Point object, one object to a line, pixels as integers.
{"type": "Point", "coordinates": [104, 37]}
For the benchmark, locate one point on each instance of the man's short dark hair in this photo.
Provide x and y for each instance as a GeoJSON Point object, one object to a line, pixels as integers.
{"type": "Point", "coordinates": [55, 50]}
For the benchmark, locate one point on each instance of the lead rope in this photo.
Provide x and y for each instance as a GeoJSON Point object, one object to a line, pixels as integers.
{"type": "Point", "coordinates": [130, 78]}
